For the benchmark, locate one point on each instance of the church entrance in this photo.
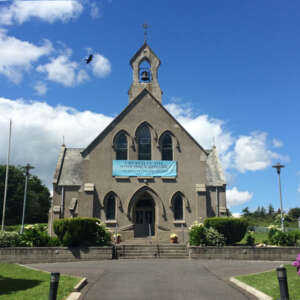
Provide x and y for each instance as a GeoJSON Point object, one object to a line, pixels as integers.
{"type": "Point", "coordinates": [144, 216]}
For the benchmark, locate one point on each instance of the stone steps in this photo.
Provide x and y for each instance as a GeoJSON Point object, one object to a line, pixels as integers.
{"type": "Point", "coordinates": [130, 251]}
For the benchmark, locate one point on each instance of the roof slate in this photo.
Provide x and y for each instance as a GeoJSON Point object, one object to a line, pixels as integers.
{"type": "Point", "coordinates": [71, 170]}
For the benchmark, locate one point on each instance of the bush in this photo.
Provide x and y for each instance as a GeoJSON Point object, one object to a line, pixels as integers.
{"type": "Point", "coordinates": [279, 238]}
{"type": "Point", "coordinates": [36, 235]}
{"type": "Point", "coordinates": [201, 236]}
{"type": "Point", "coordinates": [81, 232]}
{"type": "Point", "coordinates": [250, 238]}
{"type": "Point", "coordinates": [197, 234]}
{"type": "Point", "coordinates": [12, 239]}
{"type": "Point", "coordinates": [233, 229]}
{"type": "Point", "coordinates": [214, 238]}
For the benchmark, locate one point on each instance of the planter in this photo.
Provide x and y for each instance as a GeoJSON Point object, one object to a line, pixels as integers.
{"type": "Point", "coordinates": [174, 240]}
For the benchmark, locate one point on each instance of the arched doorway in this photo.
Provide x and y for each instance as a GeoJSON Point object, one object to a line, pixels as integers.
{"type": "Point", "coordinates": [144, 215]}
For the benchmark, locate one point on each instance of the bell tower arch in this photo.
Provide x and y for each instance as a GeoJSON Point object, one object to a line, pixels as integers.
{"type": "Point", "coordinates": [145, 66]}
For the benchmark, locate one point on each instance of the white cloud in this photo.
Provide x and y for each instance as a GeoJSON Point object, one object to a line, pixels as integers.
{"type": "Point", "coordinates": [38, 129]}
{"type": "Point", "coordinates": [298, 189]}
{"type": "Point", "coordinates": [41, 88]}
{"type": "Point", "coordinates": [236, 215]}
{"type": "Point", "coordinates": [62, 70]}
{"type": "Point", "coordinates": [277, 143]}
{"type": "Point", "coordinates": [82, 76]}
{"type": "Point", "coordinates": [251, 153]}
{"type": "Point", "coordinates": [235, 197]}
{"type": "Point", "coordinates": [94, 10]}
{"type": "Point", "coordinates": [47, 10]}
{"type": "Point", "coordinates": [100, 65]}
{"type": "Point", "coordinates": [17, 56]}
{"type": "Point", "coordinates": [244, 153]}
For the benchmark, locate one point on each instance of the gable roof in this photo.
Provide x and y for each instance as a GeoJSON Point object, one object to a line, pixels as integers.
{"type": "Point", "coordinates": [128, 108]}
{"type": "Point", "coordinates": [145, 45]}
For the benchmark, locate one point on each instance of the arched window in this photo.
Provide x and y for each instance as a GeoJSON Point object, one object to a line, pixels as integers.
{"type": "Point", "coordinates": [166, 147]}
{"type": "Point", "coordinates": [110, 207]}
{"type": "Point", "coordinates": [178, 207]}
{"type": "Point", "coordinates": [121, 146]}
{"type": "Point", "coordinates": [144, 143]}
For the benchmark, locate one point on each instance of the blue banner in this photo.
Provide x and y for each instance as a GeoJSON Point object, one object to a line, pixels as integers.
{"type": "Point", "coordinates": [146, 168]}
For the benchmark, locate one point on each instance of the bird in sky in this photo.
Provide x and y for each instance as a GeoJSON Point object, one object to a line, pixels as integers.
{"type": "Point", "coordinates": [89, 59]}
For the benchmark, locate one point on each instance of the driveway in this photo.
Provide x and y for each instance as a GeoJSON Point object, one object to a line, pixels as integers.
{"type": "Point", "coordinates": [165, 279]}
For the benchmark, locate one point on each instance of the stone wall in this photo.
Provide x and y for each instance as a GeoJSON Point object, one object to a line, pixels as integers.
{"type": "Point", "coordinates": [245, 253]}
{"type": "Point", "coordinates": [25, 255]}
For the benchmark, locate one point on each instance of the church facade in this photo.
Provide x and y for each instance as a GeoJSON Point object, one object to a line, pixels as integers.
{"type": "Point", "coordinates": [144, 174]}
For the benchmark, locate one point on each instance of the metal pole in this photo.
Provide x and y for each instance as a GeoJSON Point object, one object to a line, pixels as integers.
{"type": "Point", "coordinates": [27, 168]}
{"type": "Point", "coordinates": [150, 239]}
{"type": "Point", "coordinates": [54, 281]}
{"type": "Point", "coordinates": [281, 209]}
{"type": "Point", "coordinates": [24, 203]}
{"type": "Point", "coordinates": [282, 281]}
{"type": "Point", "coordinates": [6, 177]}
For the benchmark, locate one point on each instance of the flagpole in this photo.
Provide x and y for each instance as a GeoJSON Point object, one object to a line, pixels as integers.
{"type": "Point", "coordinates": [6, 176]}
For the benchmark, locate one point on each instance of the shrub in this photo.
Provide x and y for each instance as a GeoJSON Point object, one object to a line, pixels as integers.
{"type": "Point", "coordinates": [233, 229]}
{"type": "Point", "coordinates": [214, 238]}
{"type": "Point", "coordinates": [279, 238]}
{"type": "Point", "coordinates": [250, 238]}
{"type": "Point", "coordinates": [36, 235]}
{"type": "Point", "coordinates": [81, 232]}
{"type": "Point", "coordinates": [197, 234]}
{"type": "Point", "coordinates": [12, 239]}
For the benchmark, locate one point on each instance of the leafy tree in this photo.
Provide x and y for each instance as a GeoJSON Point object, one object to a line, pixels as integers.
{"type": "Point", "coordinates": [38, 197]}
{"type": "Point", "coordinates": [246, 212]}
{"type": "Point", "coordinates": [294, 213]}
{"type": "Point", "coordinates": [271, 210]}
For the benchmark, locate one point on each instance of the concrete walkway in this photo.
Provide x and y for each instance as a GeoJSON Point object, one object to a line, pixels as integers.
{"type": "Point", "coordinates": [160, 279]}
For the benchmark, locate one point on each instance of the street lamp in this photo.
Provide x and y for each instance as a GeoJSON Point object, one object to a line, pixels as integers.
{"type": "Point", "coordinates": [27, 168]}
{"type": "Point", "coordinates": [278, 167]}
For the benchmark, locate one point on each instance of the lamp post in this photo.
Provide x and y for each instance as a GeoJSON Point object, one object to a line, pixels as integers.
{"type": "Point", "coordinates": [27, 168]}
{"type": "Point", "coordinates": [278, 167]}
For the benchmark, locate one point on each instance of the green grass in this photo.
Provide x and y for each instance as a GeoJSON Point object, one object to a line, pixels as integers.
{"type": "Point", "coordinates": [267, 282]}
{"type": "Point", "coordinates": [20, 283]}
{"type": "Point", "coordinates": [259, 238]}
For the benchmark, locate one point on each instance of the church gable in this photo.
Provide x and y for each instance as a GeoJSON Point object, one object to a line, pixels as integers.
{"type": "Point", "coordinates": [145, 109]}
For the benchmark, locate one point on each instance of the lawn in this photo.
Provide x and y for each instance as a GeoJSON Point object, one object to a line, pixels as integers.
{"type": "Point", "coordinates": [267, 282]}
{"type": "Point", "coordinates": [259, 238]}
{"type": "Point", "coordinates": [20, 283]}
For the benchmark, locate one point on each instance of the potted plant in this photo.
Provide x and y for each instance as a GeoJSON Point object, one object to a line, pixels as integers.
{"type": "Point", "coordinates": [174, 238]}
{"type": "Point", "coordinates": [117, 238]}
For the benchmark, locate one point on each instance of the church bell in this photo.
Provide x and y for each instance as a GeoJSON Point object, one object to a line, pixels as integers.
{"type": "Point", "coordinates": [145, 76]}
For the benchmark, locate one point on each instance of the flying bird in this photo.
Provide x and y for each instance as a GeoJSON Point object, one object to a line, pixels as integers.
{"type": "Point", "coordinates": [89, 59]}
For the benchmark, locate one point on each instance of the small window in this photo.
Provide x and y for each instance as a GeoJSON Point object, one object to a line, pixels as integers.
{"type": "Point", "coordinates": [166, 147]}
{"type": "Point", "coordinates": [144, 143]}
{"type": "Point", "coordinates": [110, 207]}
{"type": "Point", "coordinates": [178, 207]}
{"type": "Point", "coordinates": [121, 146]}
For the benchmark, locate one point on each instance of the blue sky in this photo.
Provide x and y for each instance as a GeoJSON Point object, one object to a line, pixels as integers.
{"type": "Point", "coordinates": [230, 73]}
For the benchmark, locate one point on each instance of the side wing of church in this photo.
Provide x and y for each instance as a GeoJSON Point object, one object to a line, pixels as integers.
{"type": "Point", "coordinates": [144, 174]}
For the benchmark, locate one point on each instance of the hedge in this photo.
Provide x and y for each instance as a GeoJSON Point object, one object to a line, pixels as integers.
{"type": "Point", "coordinates": [233, 229]}
{"type": "Point", "coordinates": [81, 232]}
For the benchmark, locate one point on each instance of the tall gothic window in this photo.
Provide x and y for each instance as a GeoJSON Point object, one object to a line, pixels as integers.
{"type": "Point", "coordinates": [110, 209]}
{"type": "Point", "coordinates": [178, 207]}
{"type": "Point", "coordinates": [166, 147]}
{"type": "Point", "coordinates": [121, 146]}
{"type": "Point", "coordinates": [144, 143]}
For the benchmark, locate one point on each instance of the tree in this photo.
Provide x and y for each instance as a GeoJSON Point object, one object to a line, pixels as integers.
{"type": "Point", "coordinates": [271, 210]}
{"type": "Point", "coordinates": [294, 213]}
{"type": "Point", "coordinates": [246, 212]}
{"type": "Point", "coordinates": [38, 197]}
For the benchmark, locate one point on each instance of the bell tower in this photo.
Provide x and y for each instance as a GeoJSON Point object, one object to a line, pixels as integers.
{"type": "Point", "coordinates": [145, 65]}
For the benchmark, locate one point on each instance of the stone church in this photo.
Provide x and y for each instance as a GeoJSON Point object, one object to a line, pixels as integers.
{"type": "Point", "coordinates": [144, 174]}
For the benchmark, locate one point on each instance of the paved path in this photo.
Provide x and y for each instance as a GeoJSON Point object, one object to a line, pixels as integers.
{"type": "Point", "coordinates": [160, 279]}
